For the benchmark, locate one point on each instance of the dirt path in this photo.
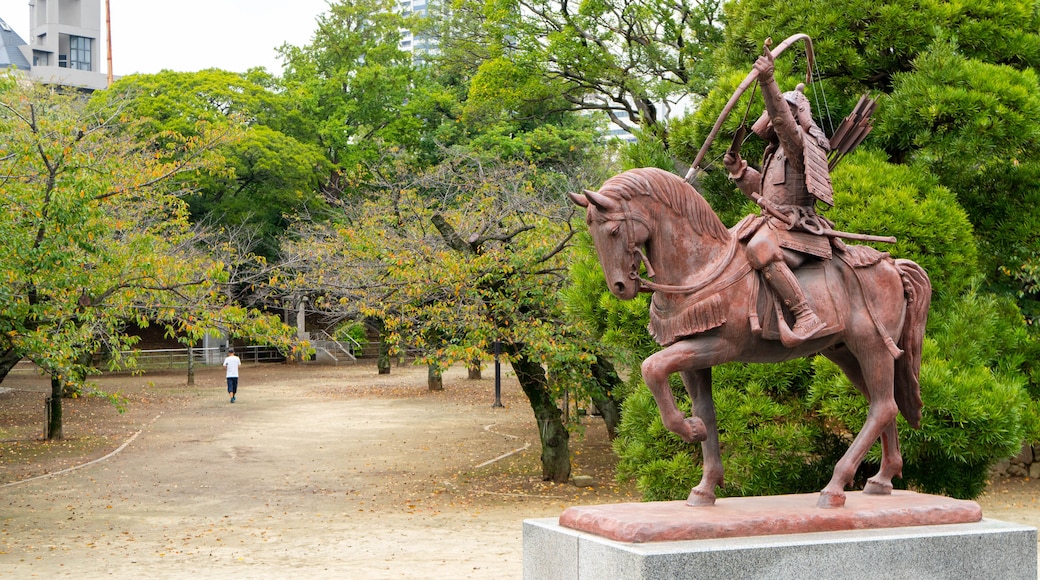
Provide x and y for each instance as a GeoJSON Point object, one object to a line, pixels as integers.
{"type": "Point", "coordinates": [313, 473]}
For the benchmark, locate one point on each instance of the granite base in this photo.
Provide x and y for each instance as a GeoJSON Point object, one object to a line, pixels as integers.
{"type": "Point", "coordinates": [985, 549]}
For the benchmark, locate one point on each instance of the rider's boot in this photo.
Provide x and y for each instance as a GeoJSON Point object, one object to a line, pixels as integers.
{"type": "Point", "coordinates": [782, 280]}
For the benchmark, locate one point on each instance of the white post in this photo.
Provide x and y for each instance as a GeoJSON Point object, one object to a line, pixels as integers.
{"type": "Point", "coordinates": [301, 319]}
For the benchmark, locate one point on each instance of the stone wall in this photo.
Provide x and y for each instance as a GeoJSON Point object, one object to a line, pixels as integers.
{"type": "Point", "coordinates": [1025, 464]}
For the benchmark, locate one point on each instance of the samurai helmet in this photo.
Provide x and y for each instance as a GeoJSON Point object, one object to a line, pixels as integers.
{"type": "Point", "coordinates": [801, 103]}
{"type": "Point", "coordinates": [763, 127]}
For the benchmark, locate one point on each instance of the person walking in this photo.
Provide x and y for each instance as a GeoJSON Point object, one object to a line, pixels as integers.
{"type": "Point", "coordinates": [232, 363]}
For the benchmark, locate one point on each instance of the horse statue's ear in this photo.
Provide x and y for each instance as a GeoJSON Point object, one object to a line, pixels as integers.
{"type": "Point", "coordinates": [578, 199]}
{"type": "Point", "coordinates": [602, 202]}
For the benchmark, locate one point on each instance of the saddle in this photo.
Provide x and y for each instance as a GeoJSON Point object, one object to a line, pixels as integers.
{"type": "Point", "coordinates": [689, 314]}
{"type": "Point", "coordinates": [771, 321]}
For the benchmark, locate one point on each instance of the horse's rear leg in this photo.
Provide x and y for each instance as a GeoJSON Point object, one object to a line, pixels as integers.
{"type": "Point", "coordinates": [698, 385]}
{"type": "Point", "coordinates": [876, 382]}
{"type": "Point", "coordinates": [891, 457]}
{"type": "Point", "coordinates": [891, 463]}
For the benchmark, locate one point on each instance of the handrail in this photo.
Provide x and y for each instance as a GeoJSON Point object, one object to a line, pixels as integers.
{"type": "Point", "coordinates": [324, 336]}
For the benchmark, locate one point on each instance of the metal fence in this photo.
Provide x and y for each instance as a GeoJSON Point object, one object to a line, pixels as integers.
{"type": "Point", "coordinates": [177, 358]}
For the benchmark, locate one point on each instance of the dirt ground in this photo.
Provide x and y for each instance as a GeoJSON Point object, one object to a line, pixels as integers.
{"type": "Point", "coordinates": [314, 472]}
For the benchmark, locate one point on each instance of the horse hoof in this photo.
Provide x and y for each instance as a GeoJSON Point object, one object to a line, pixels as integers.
{"type": "Point", "coordinates": [696, 431]}
{"type": "Point", "coordinates": [875, 487]}
{"type": "Point", "coordinates": [831, 500]}
{"type": "Point", "coordinates": [699, 498]}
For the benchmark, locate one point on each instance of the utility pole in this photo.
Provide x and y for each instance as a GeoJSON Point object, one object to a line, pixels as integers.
{"type": "Point", "coordinates": [498, 376]}
{"type": "Point", "coordinates": [108, 28]}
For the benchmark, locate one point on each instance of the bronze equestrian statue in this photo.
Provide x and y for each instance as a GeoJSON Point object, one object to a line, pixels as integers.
{"type": "Point", "coordinates": [719, 294]}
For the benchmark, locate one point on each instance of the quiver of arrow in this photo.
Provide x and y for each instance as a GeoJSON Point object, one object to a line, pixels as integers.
{"type": "Point", "coordinates": [852, 130]}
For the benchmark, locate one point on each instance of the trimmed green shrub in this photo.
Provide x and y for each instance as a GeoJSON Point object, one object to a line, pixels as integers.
{"type": "Point", "coordinates": [771, 441]}
{"type": "Point", "coordinates": [877, 197]}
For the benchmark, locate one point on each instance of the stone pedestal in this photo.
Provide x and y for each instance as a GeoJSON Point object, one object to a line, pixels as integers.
{"type": "Point", "coordinates": [781, 537]}
{"type": "Point", "coordinates": [765, 515]}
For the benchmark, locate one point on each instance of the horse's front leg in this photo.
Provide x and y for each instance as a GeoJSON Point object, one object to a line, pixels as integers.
{"type": "Point", "coordinates": [698, 384]}
{"type": "Point", "coordinates": [657, 368]}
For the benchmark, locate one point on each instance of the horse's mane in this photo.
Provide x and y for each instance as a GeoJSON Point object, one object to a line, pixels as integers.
{"type": "Point", "coordinates": [672, 191]}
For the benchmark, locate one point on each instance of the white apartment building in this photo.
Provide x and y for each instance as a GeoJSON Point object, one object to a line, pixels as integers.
{"type": "Point", "coordinates": [65, 44]}
{"type": "Point", "coordinates": [418, 7]}
{"type": "Point", "coordinates": [418, 44]}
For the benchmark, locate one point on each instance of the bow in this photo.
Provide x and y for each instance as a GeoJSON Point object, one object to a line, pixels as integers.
{"type": "Point", "coordinates": [747, 82]}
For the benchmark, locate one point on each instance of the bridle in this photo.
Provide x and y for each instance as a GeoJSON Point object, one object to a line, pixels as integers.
{"type": "Point", "coordinates": [627, 217]}
{"type": "Point", "coordinates": [639, 257]}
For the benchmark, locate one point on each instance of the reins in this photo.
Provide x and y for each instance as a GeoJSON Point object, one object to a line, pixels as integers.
{"type": "Point", "coordinates": [630, 237]}
{"type": "Point", "coordinates": [718, 266]}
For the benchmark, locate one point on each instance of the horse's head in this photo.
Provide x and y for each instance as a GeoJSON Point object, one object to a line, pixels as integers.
{"type": "Point", "coordinates": [657, 210]}
{"type": "Point", "coordinates": [619, 237]}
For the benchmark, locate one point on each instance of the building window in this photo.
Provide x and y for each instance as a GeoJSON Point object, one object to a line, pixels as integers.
{"type": "Point", "coordinates": [79, 52]}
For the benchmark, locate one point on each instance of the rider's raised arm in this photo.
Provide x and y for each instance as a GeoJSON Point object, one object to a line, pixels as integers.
{"type": "Point", "coordinates": [780, 114]}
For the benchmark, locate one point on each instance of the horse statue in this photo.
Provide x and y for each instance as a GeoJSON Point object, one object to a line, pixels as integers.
{"type": "Point", "coordinates": [710, 307]}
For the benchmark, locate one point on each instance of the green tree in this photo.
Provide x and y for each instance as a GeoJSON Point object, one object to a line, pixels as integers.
{"type": "Point", "coordinates": [272, 170]}
{"type": "Point", "coordinates": [632, 61]}
{"type": "Point", "coordinates": [353, 81]}
{"type": "Point", "coordinates": [972, 124]}
{"type": "Point", "coordinates": [451, 259]}
{"type": "Point", "coordinates": [94, 236]}
{"type": "Point", "coordinates": [863, 45]}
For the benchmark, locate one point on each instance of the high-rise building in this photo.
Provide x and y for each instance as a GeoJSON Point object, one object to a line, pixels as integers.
{"type": "Point", "coordinates": [420, 45]}
{"type": "Point", "coordinates": [64, 45]}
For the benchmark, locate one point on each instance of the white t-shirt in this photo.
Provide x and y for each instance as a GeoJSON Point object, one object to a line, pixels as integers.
{"type": "Point", "coordinates": [232, 363]}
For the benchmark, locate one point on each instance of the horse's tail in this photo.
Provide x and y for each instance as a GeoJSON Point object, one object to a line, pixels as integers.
{"type": "Point", "coordinates": [918, 290]}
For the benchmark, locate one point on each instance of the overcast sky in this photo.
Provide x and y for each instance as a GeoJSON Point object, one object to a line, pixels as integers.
{"type": "Point", "coordinates": [191, 35]}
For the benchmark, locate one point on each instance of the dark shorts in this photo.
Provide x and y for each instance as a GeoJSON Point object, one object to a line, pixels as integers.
{"type": "Point", "coordinates": [232, 385]}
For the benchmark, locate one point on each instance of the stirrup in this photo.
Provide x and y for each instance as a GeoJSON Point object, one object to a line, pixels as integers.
{"type": "Point", "coordinates": [807, 326]}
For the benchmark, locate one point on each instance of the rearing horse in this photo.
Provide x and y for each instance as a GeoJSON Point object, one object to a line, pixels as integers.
{"type": "Point", "coordinates": [708, 308]}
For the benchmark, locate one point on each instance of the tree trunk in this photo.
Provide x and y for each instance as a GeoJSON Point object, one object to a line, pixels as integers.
{"type": "Point", "coordinates": [602, 393]}
{"type": "Point", "coordinates": [383, 362]}
{"type": "Point", "coordinates": [191, 366]}
{"type": "Point", "coordinates": [474, 370]}
{"type": "Point", "coordinates": [556, 456]}
{"type": "Point", "coordinates": [54, 409]}
{"type": "Point", "coordinates": [8, 359]}
{"type": "Point", "coordinates": [434, 377]}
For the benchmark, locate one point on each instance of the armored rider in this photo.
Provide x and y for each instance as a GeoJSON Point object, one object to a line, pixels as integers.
{"type": "Point", "coordinates": [793, 177]}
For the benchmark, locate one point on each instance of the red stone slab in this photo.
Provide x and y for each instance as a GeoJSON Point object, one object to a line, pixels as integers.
{"type": "Point", "coordinates": [765, 515]}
